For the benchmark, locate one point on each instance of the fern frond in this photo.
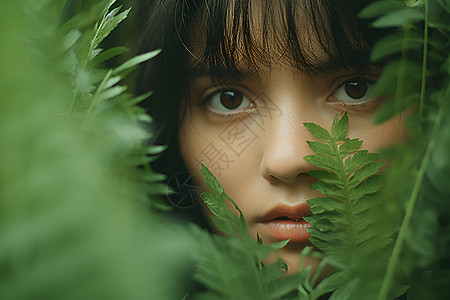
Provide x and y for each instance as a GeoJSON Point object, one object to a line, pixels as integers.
{"type": "Point", "coordinates": [69, 225]}
{"type": "Point", "coordinates": [342, 222]}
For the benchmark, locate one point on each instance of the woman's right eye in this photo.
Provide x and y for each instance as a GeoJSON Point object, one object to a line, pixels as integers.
{"type": "Point", "coordinates": [228, 102]}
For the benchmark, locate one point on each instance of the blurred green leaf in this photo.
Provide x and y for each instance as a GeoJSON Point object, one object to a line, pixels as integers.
{"type": "Point", "coordinates": [399, 18]}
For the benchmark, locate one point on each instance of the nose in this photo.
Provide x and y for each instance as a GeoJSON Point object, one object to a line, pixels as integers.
{"type": "Point", "coordinates": [285, 148]}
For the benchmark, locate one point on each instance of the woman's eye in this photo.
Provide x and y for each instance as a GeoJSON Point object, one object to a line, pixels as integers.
{"type": "Point", "coordinates": [355, 90]}
{"type": "Point", "coordinates": [229, 101]}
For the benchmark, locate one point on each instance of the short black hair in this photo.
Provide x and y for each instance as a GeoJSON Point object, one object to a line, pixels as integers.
{"type": "Point", "coordinates": [229, 38]}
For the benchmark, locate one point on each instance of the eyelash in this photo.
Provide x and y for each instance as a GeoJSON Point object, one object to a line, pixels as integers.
{"type": "Point", "coordinates": [207, 103]}
{"type": "Point", "coordinates": [361, 106]}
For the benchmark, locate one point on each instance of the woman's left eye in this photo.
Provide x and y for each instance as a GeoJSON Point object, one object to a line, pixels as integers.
{"type": "Point", "coordinates": [228, 102]}
{"type": "Point", "coordinates": [355, 91]}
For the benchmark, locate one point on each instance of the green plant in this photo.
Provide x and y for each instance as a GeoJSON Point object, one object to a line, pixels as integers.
{"type": "Point", "coordinates": [343, 226]}
{"type": "Point", "coordinates": [75, 179]}
{"type": "Point", "coordinates": [396, 240]}
{"type": "Point", "coordinates": [72, 221]}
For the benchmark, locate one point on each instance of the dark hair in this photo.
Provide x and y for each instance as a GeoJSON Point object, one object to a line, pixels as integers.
{"type": "Point", "coordinates": [228, 38]}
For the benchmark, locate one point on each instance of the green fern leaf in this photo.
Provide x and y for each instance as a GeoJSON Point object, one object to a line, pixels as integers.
{"type": "Point", "coordinates": [110, 21]}
{"type": "Point", "coordinates": [401, 18]}
{"type": "Point", "coordinates": [225, 220]}
{"type": "Point", "coordinates": [318, 132]}
{"type": "Point", "coordinates": [135, 61]}
{"type": "Point", "coordinates": [340, 221]}
{"type": "Point", "coordinates": [99, 58]}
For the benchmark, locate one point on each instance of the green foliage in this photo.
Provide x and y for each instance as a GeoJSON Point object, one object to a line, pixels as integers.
{"type": "Point", "coordinates": [225, 220]}
{"type": "Point", "coordinates": [344, 221]}
{"type": "Point", "coordinates": [416, 201]}
{"type": "Point", "coordinates": [342, 228]}
{"type": "Point", "coordinates": [232, 267]}
{"type": "Point", "coordinates": [380, 242]}
{"type": "Point", "coordinates": [71, 196]}
{"type": "Point", "coordinates": [76, 181]}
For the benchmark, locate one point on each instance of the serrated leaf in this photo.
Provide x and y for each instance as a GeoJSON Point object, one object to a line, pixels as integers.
{"type": "Point", "coordinates": [360, 158]}
{"type": "Point", "coordinates": [322, 224]}
{"type": "Point", "coordinates": [321, 204]}
{"type": "Point", "coordinates": [324, 245]}
{"type": "Point", "coordinates": [227, 221]}
{"type": "Point", "coordinates": [339, 128]}
{"type": "Point", "coordinates": [370, 186]}
{"type": "Point", "coordinates": [318, 132]}
{"type": "Point", "coordinates": [326, 176]}
{"type": "Point", "coordinates": [349, 146]}
{"type": "Point", "coordinates": [364, 172]}
{"type": "Point", "coordinates": [329, 190]}
{"type": "Point", "coordinates": [366, 203]}
{"type": "Point", "coordinates": [135, 61]}
{"type": "Point", "coordinates": [320, 148]}
{"type": "Point", "coordinates": [110, 23]}
{"type": "Point", "coordinates": [332, 237]}
{"type": "Point", "coordinates": [323, 162]}
{"type": "Point", "coordinates": [211, 180]}
{"type": "Point", "coordinates": [109, 16]}
{"type": "Point", "coordinates": [108, 7]}
{"type": "Point", "coordinates": [108, 54]}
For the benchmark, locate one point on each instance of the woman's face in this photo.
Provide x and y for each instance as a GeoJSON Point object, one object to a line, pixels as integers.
{"type": "Point", "coordinates": [250, 134]}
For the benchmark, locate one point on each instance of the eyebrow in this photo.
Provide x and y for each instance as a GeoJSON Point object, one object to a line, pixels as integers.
{"type": "Point", "coordinates": [353, 59]}
{"type": "Point", "coordinates": [357, 60]}
{"type": "Point", "coordinates": [198, 70]}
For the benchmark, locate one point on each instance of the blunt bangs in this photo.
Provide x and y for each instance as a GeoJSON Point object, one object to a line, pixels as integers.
{"type": "Point", "coordinates": [312, 36]}
{"type": "Point", "coordinates": [222, 37]}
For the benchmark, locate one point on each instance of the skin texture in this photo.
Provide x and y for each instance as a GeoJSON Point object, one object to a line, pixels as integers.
{"type": "Point", "coordinates": [271, 169]}
{"type": "Point", "coordinates": [256, 149]}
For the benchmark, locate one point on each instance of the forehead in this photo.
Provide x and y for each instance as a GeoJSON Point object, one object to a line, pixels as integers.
{"type": "Point", "coordinates": [307, 35]}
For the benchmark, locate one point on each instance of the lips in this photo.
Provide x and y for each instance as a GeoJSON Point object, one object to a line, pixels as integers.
{"type": "Point", "coordinates": [286, 222]}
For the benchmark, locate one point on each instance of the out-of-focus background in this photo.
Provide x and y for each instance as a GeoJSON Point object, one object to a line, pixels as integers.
{"type": "Point", "coordinates": [74, 221]}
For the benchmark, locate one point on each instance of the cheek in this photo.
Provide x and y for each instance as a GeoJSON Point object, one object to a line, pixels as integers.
{"type": "Point", "coordinates": [376, 137]}
{"type": "Point", "coordinates": [231, 151]}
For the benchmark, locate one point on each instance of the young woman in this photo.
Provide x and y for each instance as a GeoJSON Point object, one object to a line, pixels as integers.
{"type": "Point", "coordinates": [233, 85]}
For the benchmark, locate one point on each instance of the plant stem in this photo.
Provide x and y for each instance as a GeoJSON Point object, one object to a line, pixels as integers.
{"type": "Point", "coordinates": [88, 58]}
{"type": "Point", "coordinates": [424, 63]}
{"type": "Point", "coordinates": [385, 286]}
